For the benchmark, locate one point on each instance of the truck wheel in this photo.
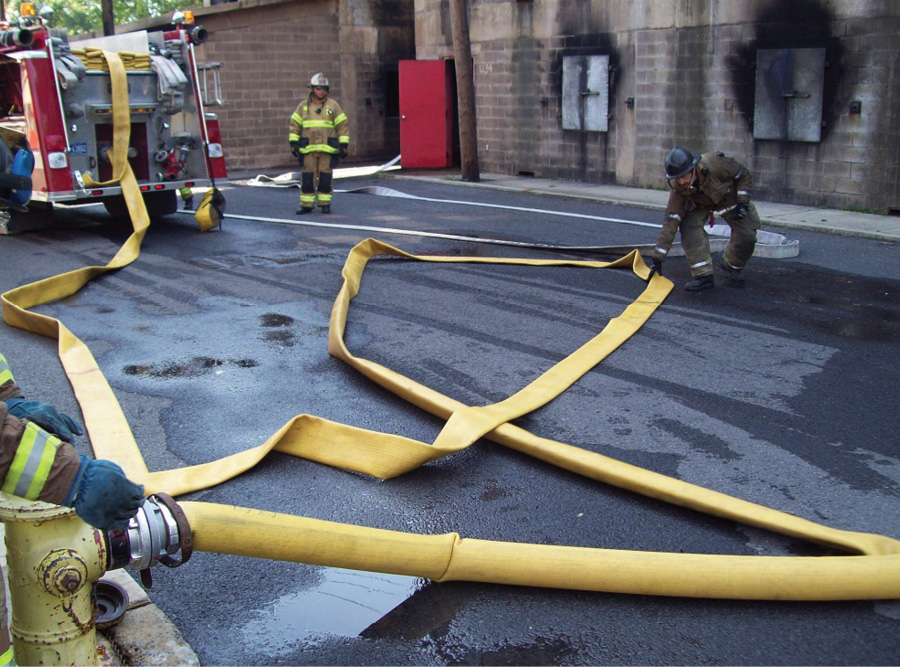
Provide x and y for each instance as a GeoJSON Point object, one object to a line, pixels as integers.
{"type": "Point", "coordinates": [158, 204]}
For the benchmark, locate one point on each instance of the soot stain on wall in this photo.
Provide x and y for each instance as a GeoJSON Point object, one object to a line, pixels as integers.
{"type": "Point", "coordinates": [789, 25]}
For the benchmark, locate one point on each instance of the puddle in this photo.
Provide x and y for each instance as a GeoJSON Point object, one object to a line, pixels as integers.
{"type": "Point", "coordinates": [345, 603]}
{"type": "Point", "coordinates": [275, 320]}
{"type": "Point", "coordinates": [192, 368]}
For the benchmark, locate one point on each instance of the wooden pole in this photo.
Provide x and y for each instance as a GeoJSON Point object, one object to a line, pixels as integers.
{"type": "Point", "coordinates": [465, 91]}
{"type": "Point", "coordinates": [106, 13]}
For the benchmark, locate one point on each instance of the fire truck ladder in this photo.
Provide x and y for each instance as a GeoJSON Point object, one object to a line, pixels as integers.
{"type": "Point", "coordinates": [213, 96]}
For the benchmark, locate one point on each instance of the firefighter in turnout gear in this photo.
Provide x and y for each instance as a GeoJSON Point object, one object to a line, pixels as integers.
{"type": "Point", "coordinates": [701, 185]}
{"type": "Point", "coordinates": [319, 136]}
{"type": "Point", "coordinates": [38, 463]}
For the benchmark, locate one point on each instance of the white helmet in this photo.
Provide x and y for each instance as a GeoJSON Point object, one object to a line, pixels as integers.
{"type": "Point", "coordinates": [319, 80]}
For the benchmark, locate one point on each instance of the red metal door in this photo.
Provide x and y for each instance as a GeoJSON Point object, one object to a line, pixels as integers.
{"type": "Point", "coordinates": [426, 118]}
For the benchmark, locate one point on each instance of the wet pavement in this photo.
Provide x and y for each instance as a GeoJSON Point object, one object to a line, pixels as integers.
{"type": "Point", "coordinates": [370, 604]}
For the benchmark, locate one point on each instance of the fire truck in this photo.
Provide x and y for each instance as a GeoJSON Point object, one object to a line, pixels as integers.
{"type": "Point", "coordinates": [56, 98]}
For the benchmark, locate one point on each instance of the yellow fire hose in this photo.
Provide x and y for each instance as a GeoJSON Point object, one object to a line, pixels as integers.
{"type": "Point", "coordinates": [874, 574]}
{"type": "Point", "coordinates": [254, 533]}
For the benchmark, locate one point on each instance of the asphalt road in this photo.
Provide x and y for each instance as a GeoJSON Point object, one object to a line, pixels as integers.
{"type": "Point", "coordinates": [784, 393]}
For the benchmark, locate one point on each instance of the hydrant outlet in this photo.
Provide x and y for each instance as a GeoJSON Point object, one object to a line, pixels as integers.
{"type": "Point", "coordinates": [62, 572]}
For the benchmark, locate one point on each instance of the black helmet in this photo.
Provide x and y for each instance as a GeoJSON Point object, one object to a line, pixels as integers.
{"type": "Point", "coordinates": [679, 161]}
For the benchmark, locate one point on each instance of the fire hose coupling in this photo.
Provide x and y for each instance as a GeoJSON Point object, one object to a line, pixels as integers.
{"type": "Point", "coordinates": [158, 532]}
{"type": "Point", "coordinates": [13, 38]}
{"type": "Point", "coordinates": [103, 151]}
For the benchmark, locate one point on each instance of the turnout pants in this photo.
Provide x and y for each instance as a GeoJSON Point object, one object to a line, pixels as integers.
{"type": "Point", "coordinates": [316, 177]}
{"type": "Point", "coordinates": [695, 241]}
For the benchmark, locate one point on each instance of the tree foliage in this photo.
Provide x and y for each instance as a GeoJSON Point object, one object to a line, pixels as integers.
{"type": "Point", "coordinates": [79, 16]}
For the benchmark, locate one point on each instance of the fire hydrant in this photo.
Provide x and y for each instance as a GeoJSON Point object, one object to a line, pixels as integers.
{"type": "Point", "coordinates": [53, 560]}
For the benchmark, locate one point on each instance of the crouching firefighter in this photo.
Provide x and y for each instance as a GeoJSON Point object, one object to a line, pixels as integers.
{"type": "Point", "coordinates": [319, 137]}
{"type": "Point", "coordinates": [699, 186]}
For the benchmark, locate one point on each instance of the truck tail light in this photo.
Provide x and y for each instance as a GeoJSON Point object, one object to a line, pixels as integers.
{"type": "Point", "coordinates": [56, 151]}
{"type": "Point", "coordinates": [55, 143]}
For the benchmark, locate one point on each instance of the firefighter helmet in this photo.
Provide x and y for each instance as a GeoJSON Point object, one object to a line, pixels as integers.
{"type": "Point", "coordinates": [680, 161]}
{"type": "Point", "coordinates": [319, 80]}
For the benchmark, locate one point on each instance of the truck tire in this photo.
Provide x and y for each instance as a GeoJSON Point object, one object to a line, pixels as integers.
{"type": "Point", "coordinates": [159, 204]}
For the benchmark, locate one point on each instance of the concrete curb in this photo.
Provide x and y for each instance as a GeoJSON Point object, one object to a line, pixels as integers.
{"type": "Point", "coordinates": [145, 636]}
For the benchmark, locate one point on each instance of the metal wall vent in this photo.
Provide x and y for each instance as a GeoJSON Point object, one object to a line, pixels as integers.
{"type": "Point", "coordinates": [585, 93]}
{"type": "Point", "coordinates": [789, 90]}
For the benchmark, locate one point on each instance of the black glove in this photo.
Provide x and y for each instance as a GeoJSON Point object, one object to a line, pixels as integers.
{"type": "Point", "coordinates": [740, 210]}
{"type": "Point", "coordinates": [46, 416]}
{"type": "Point", "coordinates": [103, 496]}
{"type": "Point", "coordinates": [295, 149]}
{"type": "Point", "coordinates": [342, 152]}
{"type": "Point", "coordinates": [655, 267]}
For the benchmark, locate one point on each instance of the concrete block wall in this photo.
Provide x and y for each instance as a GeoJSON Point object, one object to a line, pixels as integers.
{"type": "Point", "coordinates": [269, 50]}
{"type": "Point", "coordinates": [690, 68]}
{"type": "Point", "coordinates": [268, 54]}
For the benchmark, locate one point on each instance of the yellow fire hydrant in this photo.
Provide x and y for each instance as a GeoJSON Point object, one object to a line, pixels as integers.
{"type": "Point", "coordinates": [53, 559]}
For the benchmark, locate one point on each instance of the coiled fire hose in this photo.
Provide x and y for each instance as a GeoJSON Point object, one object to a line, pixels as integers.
{"type": "Point", "coordinates": [874, 573]}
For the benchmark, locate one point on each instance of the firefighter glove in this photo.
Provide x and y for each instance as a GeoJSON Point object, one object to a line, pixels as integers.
{"type": "Point", "coordinates": [655, 267]}
{"type": "Point", "coordinates": [103, 496]}
{"type": "Point", "coordinates": [740, 210]}
{"type": "Point", "coordinates": [46, 416]}
{"type": "Point", "coordinates": [342, 153]}
{"type": "Point", "coordinates": [295, 148]}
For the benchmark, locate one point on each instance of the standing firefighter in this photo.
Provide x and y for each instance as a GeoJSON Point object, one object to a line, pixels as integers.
{"type": "Point", "coordinates": [319, 136]}
{"type": "Point", "coordinates": [701, 185]}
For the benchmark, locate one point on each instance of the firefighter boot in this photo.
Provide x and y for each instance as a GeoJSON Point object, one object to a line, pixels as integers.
{"type": "Point", "coordinates": [697, 284]}
{"type": "Point", "coordinates": [735, 276]}
{"type": "Point", "coordinates": [303, 210]}
{"type": "Point", "coordinates": [326, 208]}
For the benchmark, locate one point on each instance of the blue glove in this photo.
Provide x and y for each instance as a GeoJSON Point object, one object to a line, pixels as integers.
{"type": "Point", "coordinates": [103, 496]}
{"type": "Point", "coordinates": [46, 416]}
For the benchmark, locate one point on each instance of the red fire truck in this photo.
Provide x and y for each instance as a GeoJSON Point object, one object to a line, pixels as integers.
{"type": "Point", "coordinates": [59, 98]}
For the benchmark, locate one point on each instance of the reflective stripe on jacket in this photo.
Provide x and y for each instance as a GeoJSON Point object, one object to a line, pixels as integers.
{"type": "Point", "coordinates": [318, 122]}
{"type": "Point", "coordinates": [34, 464]}
{"type": "Point", "coordinates": [722, 182]}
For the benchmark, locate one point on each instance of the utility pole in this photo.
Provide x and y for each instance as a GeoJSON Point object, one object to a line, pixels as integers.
{"type": "Point", "coordinates": [106, 13]}
{"type": "Point", "coordinates": [465, 91]}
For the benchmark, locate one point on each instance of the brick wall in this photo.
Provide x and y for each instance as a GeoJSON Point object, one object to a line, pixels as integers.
{"type": "Point", "coordinates": [690, 68]}
{"type": "Point", "coordinates": [269, 51]}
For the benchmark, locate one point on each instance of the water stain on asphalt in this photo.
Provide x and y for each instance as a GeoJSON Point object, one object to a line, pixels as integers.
{"type": "Point", "coordinates": [188, 369]}
{"type": "Point", "coordinates": [275, 320]}
{"type": "Point", "coordinates": [852, 307]}
{"type": "Point", "coordinates": [281, 336]}
{"type": "Point", "coordinates": [344, 604]}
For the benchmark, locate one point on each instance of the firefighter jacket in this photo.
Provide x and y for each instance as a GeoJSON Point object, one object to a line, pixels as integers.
{"type": "Point", "coordinates": [722, 182]}
{"type": "Point", "coordinates": [319, 126]}
{"type": "Point", "coordinates": [34, 464]}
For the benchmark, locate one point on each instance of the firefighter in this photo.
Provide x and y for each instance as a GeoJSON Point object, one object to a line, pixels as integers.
{"type": "Point", "coordinates": [37, 462]}
{"type": "Point", "coordinates": [187, 197]}
{"type": "Point", "coordinates": [700, 185]}
{"type": "Point", "coordinates": [319, 136]}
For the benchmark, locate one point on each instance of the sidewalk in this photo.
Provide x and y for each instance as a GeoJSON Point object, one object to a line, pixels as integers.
{"type": "Point", "coordinates": [845, 223]}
